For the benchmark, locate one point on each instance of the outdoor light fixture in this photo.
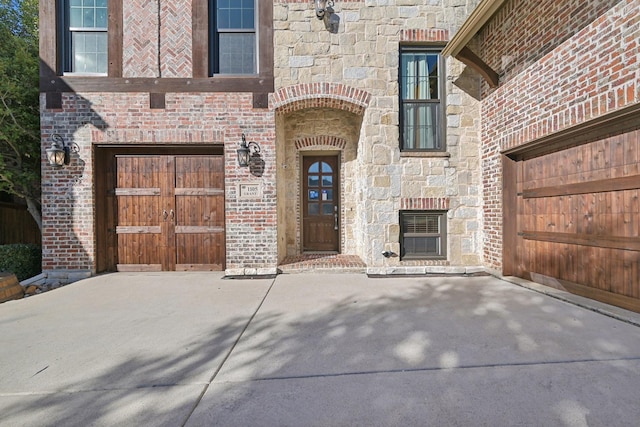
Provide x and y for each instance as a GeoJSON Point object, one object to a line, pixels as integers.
{"type": "Point", "coordinates": [246, 151]}
{"type": "Point", "coordinates": [59, 154]}
{"type": "Point", "coordinates": [322, 7]}
{"type": "Point", "coordinates": [325, 12]}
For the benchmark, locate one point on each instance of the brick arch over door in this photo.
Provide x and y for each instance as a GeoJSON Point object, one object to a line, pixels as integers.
{"type": "Point", "coordinates": [324, 141]}
{"type": "Point", "coordinates": [321, 95]}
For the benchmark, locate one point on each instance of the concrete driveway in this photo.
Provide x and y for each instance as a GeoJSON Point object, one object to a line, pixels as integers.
{"type": "Point", "coordinates": [176, 349]}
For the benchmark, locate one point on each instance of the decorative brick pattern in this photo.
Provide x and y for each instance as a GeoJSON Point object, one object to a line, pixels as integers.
{"type": "Point", "coordinates": [323, 262]}
{"type": "Point", "coordinates": [175, 45]}
{"type": "Point", "coordinates": [425, 35]}
{"type": "Point", "coordinates": [140, 41]}
{"type": "Point", "coordinates": [157, 136]}
{"type": "Point", "coordinates": [424, 203]}
{"type": "Point", "coordinates": [321, 95]}
{"type": "Point", "coordinates": [321, 141]}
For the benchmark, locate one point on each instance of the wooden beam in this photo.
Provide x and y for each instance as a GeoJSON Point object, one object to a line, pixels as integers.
{"type": "Point", "coordinates": [157, 101]}
{"type": "Point", "coordinates": [48, 39]}
{"type": "Point", "coordinates": [509, 216]}
{"type": "Point", "coordinates": [115, 34]}
{"type": "Point", "coordinates": [599, 186]}
{"type": "Point", "coordinates": [191, 191]}
{"type": "Point", "coordinates": [469, 58]}
{"type": "Point", "coordinates": [260, 84]}
{"type": "Point", "coordinates": [593, 240]}
{"type": "Point", "coordinates": [138, 229]}
{"type": "Point", "coordinates": [137, 191]}
{"type": "Point", "coordinates": [200, 38]}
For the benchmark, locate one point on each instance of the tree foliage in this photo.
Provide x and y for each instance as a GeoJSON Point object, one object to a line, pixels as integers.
{"type": "Point", "coordinates": [19, 102]}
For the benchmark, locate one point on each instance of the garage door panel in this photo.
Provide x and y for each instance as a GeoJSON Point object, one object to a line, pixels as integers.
{"type": "Point", "coordinates": [200, 210]}
{"type": "Point", "coordinates": [199, 201]}
{"type": "Point", "coordinates": [203, 251]}
{"type": "Point", "coordinates": [139, 213]}
{"type": "Point", "coordinates": [134, 249]}
{"type": "Point", "coordinates": [579, 219]}
{"type": "Point", "coordinates": [200, 172]}
{"type": "Point", "coordinates": [139, 210]}
{"type": "Point", "coordinates": [170, 212]}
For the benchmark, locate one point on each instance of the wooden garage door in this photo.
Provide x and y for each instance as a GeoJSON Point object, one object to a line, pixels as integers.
{"type": "Point", "coordinates": [578, 220]}
{"type": "Point", "coordinates": [170, 213]}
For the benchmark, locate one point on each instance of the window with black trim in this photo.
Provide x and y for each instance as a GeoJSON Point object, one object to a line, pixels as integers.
{"type": "Point", "coordinates": [421, 99]}
{"type": "Point", "coordinates": [423, 235]}
{"type": "Point", "coordinates": [84, 34]}
{"type": "Point", "coordinates": [233, 41]}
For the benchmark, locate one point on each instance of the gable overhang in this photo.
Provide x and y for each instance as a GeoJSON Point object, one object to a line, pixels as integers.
{"type": "Point", "coordinates": [457, 46]}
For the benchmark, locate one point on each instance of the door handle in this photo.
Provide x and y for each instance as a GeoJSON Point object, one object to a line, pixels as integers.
{"type": "Point", "coordinates": [172, 214]}
{"type": "Point", "coordinates": [335, 218]}
{"type": "Point", "coordinates": [164, 214]}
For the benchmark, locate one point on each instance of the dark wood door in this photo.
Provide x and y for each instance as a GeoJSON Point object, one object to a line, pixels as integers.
{"type": "Point", "coordinates": [199, 213]}
{"type": "Point", "coordinates": [320, 201]}
{"type": "Point", "coordinates": [170, 213]}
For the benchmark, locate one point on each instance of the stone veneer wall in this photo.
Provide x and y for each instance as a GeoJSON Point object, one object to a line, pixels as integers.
{"type": "Point", "coordinates": [380, 180]}
{"type": "Point", "coordinates": [563, 63]}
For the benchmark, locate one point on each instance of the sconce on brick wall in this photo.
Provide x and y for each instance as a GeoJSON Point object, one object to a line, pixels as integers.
{"type": "Point", "coordinates": [59, 154]}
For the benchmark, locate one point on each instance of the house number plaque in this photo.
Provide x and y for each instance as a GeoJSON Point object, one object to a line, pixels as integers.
{"type": "Point", "coordinates": [249, 190]}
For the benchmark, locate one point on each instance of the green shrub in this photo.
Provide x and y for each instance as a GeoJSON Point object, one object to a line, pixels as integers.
{"type": "Point", "coordinates": [23, 260]}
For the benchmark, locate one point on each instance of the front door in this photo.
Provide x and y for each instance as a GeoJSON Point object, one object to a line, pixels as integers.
{"type": "Point", "coordinates": [170, 213]}
{"type": "Point", "coordinates": [320, 204]}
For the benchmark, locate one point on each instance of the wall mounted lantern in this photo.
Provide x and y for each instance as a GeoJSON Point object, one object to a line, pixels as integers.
{"type": "Point", "coordinates": [59, 154]}
{"type": "Point", "coordinates": [325, 12]}
{"type": "Point", "coordinates": [246, 151]}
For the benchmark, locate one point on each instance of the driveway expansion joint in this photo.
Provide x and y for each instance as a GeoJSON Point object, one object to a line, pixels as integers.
{"type": "Point", "coordinates": [226, 357]}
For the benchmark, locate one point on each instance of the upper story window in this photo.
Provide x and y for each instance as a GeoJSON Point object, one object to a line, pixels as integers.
{"type": "Point", "coordinates": [421, 103]}
{"type": "Point", "coordinates": [233, 41]}
{"type": "Point", "coordinates": [85, 36]}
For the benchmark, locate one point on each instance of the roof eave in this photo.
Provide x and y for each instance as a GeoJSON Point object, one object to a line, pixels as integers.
{"type": "Point", "coordinates": [474, 23]}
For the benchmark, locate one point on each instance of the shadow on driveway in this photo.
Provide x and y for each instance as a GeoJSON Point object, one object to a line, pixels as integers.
{"type": "Point", "coordinates": [322, 350]}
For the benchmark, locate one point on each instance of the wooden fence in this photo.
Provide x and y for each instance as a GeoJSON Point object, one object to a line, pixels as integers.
{"type": "Point", "coordinates": [17, 225]}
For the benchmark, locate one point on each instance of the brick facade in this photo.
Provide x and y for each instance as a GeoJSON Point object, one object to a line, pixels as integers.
{"type": "Point", "coordinates": [562, 64]}
{"type": "Point", "coordinates": [333, 93]}
{"type": "Point", "coordinates": [126, 119]}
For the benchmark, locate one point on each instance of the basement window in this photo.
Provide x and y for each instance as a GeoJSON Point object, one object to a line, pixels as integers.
{"type": "Point", "coordinates": [423, 235]}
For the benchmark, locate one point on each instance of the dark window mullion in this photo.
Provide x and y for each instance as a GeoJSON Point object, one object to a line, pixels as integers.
{"type": "Point", "coordinates": [214, 38]}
